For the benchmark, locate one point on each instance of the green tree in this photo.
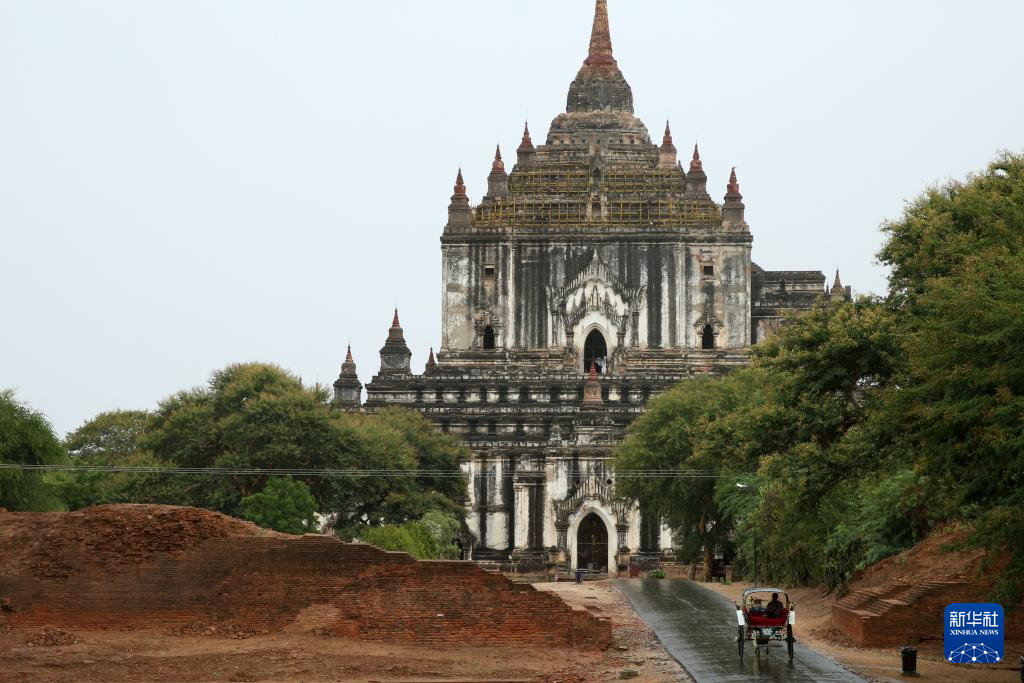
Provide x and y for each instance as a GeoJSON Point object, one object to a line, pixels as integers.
{"type": "Point", "coordinates": [283, 505]}
{"type": "Point", "coordinates": [108, 437]}
{"type": "Point", "coordinates": [957, 259]}
{"type": "Point", "coordinates": [432, 537]}
{"type": "Point", "coordinates": [257, 416]}
{"type": "Point", "coordinates": [26, 438]}
{"type": "Point", "coordinates": [113, 439]}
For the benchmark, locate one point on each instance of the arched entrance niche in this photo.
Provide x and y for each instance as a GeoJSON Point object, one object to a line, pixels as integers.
{"type": "Point", "coordinates": [592, 544]}
{"type": "Point", "coordinates": [587, 528]}
{"type": "Point", "coordinates": [595, 351]}
{"type": "Point", "coordinates": [489, 342]}
{"type": "Point", "coordinates": [707, 337]}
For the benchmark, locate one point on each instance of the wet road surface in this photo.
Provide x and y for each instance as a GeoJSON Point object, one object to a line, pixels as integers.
{"type": "Point", "coordinates": [698, 628]}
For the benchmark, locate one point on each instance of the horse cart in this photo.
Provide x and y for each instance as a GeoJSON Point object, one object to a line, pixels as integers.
{"type": "Point", "coordinates": [765, 621]}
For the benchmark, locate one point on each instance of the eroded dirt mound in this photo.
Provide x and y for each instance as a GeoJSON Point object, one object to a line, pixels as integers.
{"type": "Point", "coordinates": [939, 557]}
{"type": "Point", "coordinates": [56, 545]}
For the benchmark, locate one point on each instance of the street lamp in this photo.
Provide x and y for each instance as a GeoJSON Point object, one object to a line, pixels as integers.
{"type": "Point", "coordinates": [751, 489]}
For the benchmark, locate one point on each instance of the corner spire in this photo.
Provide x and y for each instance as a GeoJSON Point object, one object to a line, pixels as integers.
{"type": "Point", "coordinates": [526, 151]}
{"type": "Point", "coordinates": [347, 388]}
{"type": "Point", "coordinates": [395, 323]}
{"type": "Point", "coordinates": [838, 292]}
{"type": "Point", "coordinates": [733, 209]}
{"type": "Point", "coordinates": [460, 216]}
{"type": "Point", "coordinates": [498, 164]}
{"type": "Point", "coordinates": [667, 154]}
{"type": "Point", "coordinates": [600, 37]}
{"type": "Point", "coordinates": [696, 164]}
{"type": "Point", "coordinates": [733, 189]}
{"type": "Point", "coordinates": [460, 185]}
{"type": "Point", "coordinates": [431, 368]}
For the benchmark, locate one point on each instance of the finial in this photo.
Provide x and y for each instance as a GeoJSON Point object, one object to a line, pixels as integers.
{"type": "Point", "coordinates": [527, 143]}
{"type": "Point", "coordinates": [734, 186]}
{"type": "Point", "coordinates": [395, 323]}
{"type": "Point", "coordinates": [498, 164]}
{"type": "Point", "coordinates": [600, 37]}
{"type": "Point", "coordinates": [667, 140]}
{"type": "Point", "coordinates": [348, 356]}
{"type": "Point", "coordinates": [696, 164]}
{"type": "Point", "coordinates": [593, 370]}
{"type": "Point", "coordinates": [838, 283]}
{"type": "Point", "coordinates": [460, 185]}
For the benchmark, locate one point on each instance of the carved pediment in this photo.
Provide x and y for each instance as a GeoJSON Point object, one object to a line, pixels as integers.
{"type": "Point", "coordinates": [596, 288]}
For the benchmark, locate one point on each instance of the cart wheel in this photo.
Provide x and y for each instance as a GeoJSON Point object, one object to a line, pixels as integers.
{"type": "Point", "coordinates": [790, 640]}
{"type": "Point", "coordinates": [740, 639]}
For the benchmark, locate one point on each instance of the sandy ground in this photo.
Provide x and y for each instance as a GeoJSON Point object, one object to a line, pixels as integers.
{"type": "Point", "coordinates": [635, 642]}
{"type": "Point", "coordinates": [301, 655]}
{"type": "Point", "coordinates": [814, 629]}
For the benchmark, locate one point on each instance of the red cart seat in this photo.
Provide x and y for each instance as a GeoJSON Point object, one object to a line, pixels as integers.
{"type": "Point", "coordinates": [757, 619]}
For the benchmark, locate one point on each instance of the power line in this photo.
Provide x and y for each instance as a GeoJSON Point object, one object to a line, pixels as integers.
{"type": "Point", "coordinates": [313, 472]}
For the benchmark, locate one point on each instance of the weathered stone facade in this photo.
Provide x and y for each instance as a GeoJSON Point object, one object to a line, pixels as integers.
{"type": "Point", "coordinates": [597, 273]}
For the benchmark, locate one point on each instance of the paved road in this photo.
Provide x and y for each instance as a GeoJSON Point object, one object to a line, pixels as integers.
{"type": "Point", "coordinates": [698, 628]}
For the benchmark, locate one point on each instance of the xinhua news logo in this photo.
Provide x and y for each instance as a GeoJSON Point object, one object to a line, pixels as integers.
{"type": "Point", "coordinates": [974, 633]}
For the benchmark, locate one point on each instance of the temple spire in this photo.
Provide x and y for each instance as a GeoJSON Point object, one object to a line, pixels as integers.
{"type": "Point", "coordinates": [696, 179]}
{"type": "Point", "coordinates": [733, 209]}
{"type": "Point", "coordinates": [733, 189]}
{"type": "Point", "coordinates": [497, 181]}
{"type": "Point", "coordinates": [667, 154]}
{"type": "Point", "coordinates": [347, 388]}
{"type": "Point", "coordinates": [460, 185]}
{"type": "Point", "coordinates": [460, 216]}
{"type": "Point", "coordinates": [431, 368]}
{"type": "Point", "coordinates": [395, 323]}
{"type": "Point", "coordinates": [526, 152]}
{"type": "Point", "coordinates": [600, 37]}
{"type": "Point", "coordinates": [838, 292]}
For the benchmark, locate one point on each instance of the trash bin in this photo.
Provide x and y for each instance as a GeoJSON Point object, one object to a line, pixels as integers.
{"type": "Point", "coordinates": [909, 657]}
{"type": "Point", "coordinates": [579, 575]}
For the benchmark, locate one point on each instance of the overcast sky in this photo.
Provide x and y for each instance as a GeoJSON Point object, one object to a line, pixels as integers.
{"type": "Point", "coordinates": [186, 184]}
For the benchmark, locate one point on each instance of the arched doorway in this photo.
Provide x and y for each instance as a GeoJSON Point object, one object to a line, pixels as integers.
{"type": "Point", "coordinates": [592, 544]}
{"type": "Point", "coordinates": [488, 338]}
{"type": "Point", "coordinates": [595, 351]}
{"type": "Point", "coordinates": [707, 338]}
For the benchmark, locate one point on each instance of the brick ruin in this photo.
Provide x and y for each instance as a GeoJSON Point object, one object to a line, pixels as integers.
{"type": "Point", "coordinates": [187, 566]}
{"type": "Point", "coordinates": [598, 251]}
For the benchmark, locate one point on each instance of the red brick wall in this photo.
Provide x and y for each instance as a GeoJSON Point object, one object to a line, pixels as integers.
{"type": "Point", "coordinates": [907, 614]}
{"type": "Point", "coordinates": [264, 582]}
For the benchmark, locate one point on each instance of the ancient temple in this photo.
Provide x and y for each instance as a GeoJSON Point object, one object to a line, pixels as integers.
{"type": "Point", "coordinates": [595, 274]}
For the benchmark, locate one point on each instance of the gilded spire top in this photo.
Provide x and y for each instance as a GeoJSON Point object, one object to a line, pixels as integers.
{"type": "Point", "coordinates": [498, 164]}
{"type": "Point", "coordinates": [600, 37]}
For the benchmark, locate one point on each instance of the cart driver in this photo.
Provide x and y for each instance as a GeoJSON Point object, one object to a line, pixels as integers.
{"type": "Point", "coordinates": [774, 608]}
